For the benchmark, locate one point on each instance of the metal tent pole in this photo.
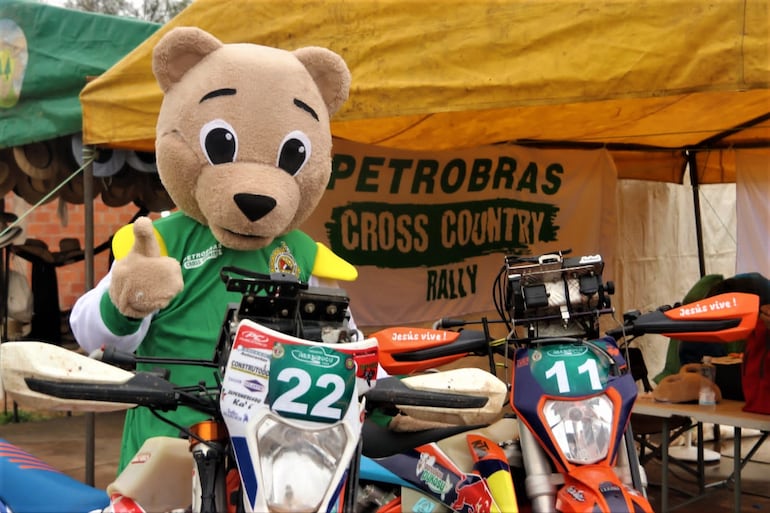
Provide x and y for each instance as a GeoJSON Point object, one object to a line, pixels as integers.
{"type": "Point", "coordinates": [88, 250]}
{"type": "Point", "coordinates": [693, 165]}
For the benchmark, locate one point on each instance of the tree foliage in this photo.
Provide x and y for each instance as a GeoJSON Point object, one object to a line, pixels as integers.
{"type": "Point", "coordinates": [159, 11]}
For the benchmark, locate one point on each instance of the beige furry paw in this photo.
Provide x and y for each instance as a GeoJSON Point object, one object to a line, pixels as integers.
{"type": "Point", "coordinates": [144, 281]}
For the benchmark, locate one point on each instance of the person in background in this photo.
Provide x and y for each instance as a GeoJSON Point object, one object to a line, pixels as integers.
{"type": "Point", "coordinates": [764, 315]}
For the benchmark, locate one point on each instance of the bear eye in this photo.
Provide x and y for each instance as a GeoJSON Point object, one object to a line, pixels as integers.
{"type": "Point", "coordinates": [218, 142]}
{"type": "Point", "coordinates": [294, 152]}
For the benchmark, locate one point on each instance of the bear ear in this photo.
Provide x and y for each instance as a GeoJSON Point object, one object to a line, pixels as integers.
{"type": "Point", "coordinates": [179, 50]}
{"type": "Point", "coordinates": [329, 72]}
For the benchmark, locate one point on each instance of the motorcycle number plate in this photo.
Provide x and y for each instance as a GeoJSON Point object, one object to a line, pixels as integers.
{"type": "Point", "coordinates": [568, 370]}
{"type": "Point", "coordinates": [311, 382]}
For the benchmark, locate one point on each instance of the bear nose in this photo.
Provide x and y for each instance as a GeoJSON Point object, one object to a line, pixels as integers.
{"type": "Point", "coordinates": [254, 206]}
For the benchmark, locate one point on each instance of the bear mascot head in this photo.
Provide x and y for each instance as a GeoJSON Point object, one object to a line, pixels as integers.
{"type": "Point", "coordinates": [243, 139]}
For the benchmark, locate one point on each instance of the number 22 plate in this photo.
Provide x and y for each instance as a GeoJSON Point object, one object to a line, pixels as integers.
{"type": "Point", "coordinates": [310, 382]}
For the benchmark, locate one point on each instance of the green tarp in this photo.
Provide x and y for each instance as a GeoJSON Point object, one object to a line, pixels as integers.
{"type": "Point", "coordinates": [47, 55]}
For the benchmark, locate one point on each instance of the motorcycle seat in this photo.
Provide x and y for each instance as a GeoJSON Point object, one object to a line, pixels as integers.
{"type": "Point", "coordinates": [29, 485]}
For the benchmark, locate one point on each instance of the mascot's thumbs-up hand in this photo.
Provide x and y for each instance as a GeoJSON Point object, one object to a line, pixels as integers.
{"type": "Point", "coordinates": [144, 281]}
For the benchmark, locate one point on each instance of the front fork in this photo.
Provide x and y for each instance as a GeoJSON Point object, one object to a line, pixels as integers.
{"type": "Point", "coordinates": [209, 452]}
{"type": "Point", "coordinates": [629, 470]}
{"type": "Point", "coordinates": [541, 483]}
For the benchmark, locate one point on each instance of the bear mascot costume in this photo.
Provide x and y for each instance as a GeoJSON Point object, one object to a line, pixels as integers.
{"type": "Point", "coordinates": [243, 147]}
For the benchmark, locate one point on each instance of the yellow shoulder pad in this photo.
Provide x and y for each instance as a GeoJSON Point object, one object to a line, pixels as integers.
{"type": "Point", "coordinates": [328, 265]}
{"type": "Point", "coordinates": [123, 241]}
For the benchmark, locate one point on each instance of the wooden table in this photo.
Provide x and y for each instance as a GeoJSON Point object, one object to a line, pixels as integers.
{"type": "Point", "coordinates": [726, 413]}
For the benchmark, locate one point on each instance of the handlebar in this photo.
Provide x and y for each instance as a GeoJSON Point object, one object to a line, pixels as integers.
{"type": "Point", "coordinates": [144, 389]}
{"type": "Point", "coordinates": [126, 360]}
{"type": "Point", "coordinates": [446, 323]}
{"type": "Point", "coordinates": [468, 341]}
{"type": "Point", "coordinates": [722, 318]}
{"type": "Point", "coordinates": [278, 300]}
{"type": "Point", "coordinates": [657, 323]}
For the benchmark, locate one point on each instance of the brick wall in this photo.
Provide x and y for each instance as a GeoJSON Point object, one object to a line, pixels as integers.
{"type": "Point", "coordinates": [56, 220]}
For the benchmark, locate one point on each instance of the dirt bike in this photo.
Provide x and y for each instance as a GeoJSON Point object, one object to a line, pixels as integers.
{"type": "Point", "coordinates": [430, 473]}
{"type": "Point", "coordinates": [284, 421]}
{"type": "Point", "coordinates": [571, 395]}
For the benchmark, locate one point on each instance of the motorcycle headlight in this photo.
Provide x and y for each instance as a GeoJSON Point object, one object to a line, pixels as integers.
{"type": "Point", "coordinates": [298, 463]}
{"type": "Point", "coordinates": [581, 428]}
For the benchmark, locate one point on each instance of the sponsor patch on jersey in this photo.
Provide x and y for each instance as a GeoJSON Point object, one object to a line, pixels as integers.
{"type": "Point", "coordinates": [282, 261]}
{"type": "Point", "coordinates": [198, 259]}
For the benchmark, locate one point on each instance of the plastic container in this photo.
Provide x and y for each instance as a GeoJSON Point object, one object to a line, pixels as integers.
{"type": "Point", "coordinates": [159, 478]}
{"type": "Point", "coordinates": [706, 396]}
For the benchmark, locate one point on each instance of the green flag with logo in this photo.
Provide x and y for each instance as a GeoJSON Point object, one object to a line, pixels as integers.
{"type": "Point", "coordinates": [47, 54]}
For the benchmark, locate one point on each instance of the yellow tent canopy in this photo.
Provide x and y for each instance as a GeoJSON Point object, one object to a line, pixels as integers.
{"type": "Point", "coordinates": [646, 79]}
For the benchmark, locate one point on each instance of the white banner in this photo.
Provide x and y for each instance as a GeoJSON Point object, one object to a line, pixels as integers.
{"type": "Point", "coordinates": [752, 198]}
{"type": "Point", "coordinates": [428, 231]}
